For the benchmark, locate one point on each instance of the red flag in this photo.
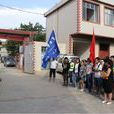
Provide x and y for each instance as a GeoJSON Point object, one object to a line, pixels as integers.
{"type": "Point", "coordinates": [92, 49]}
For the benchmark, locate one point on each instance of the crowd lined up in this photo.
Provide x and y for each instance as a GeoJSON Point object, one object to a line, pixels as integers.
{"type": "Point", "coordinates": [95, 78]}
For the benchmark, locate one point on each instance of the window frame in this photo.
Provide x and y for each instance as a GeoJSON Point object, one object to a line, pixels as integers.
{"type": "Point", "coordinates": [43, 49]}
{"type": "Point", "coordinates": [110, 8]}
{"type": "Point", "coordinates": [94, 3]}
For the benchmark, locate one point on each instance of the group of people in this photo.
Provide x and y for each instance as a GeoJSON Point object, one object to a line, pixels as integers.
{"type": "Point", "coordinates": [97, 78]}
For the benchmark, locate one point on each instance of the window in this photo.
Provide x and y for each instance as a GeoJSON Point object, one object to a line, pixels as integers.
{"type": "Point", "coordinates": [109, 17]}
{"type": "Point", "coordinates": [43, 49]}
{"type": "Point", "coordinates": [104, 50]}
{"type": "Point", "coordinates": [90, 12]}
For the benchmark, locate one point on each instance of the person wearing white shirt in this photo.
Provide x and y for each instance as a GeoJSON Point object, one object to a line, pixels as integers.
{"type": "Point", "coordinates": [97, 75]}
{"type": "Point", "coordinates": [75, 76]}
{"type": "Point", "coordinates": [53, 67]}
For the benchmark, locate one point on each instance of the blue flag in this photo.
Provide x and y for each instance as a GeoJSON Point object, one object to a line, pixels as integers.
{"type": "Point", "coordinates": [52, 50]}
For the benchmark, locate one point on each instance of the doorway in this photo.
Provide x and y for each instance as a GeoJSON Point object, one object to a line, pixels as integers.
{"type": "Point", "coordinates": [104, 50]}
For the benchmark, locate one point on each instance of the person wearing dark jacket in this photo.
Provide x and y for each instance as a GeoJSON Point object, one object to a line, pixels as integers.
{"type": "Point", "coordinates": [89, 78]}
{"type": "Point", "coordinates": [66, 66]}
{"type": "Point", "coordinates": [107, 76]}
{"type": "Point", "coordinates": [112, 58]}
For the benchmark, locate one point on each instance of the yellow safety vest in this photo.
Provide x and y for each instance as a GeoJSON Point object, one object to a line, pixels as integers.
{"type": "Point", "coordinates": [71, 66]}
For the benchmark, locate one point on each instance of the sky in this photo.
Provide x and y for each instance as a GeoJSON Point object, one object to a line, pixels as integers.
{"type": "Point", "coordinates": [10, 19]}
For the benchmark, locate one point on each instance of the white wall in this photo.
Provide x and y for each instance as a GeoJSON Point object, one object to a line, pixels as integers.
{"type": "Point", "coordinates": [38, 54]}
{"type": "Point", "coordinates": [51, 24]}
{"type": "Point", "coordinates": [3, 52]}
{"type": "Point", "coordinates": [99, 30]}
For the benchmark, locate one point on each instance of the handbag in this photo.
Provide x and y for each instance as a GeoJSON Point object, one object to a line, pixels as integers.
{"type": "Point", "coordinates": [104, 75]}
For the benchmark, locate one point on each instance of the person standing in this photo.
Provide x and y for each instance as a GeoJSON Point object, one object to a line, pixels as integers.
{"type": "Point", "coordinates": [89, 78]}
{"type": "Point", "coordinates": [82, 76]}
{"type": "Point", "coordinates": [97, 75]}
{"type": "Point", "coordinates": [66, 66]}
{"type": "Point", "coordinates": [53, 67]}
{"type": "Point", "coordinates": [75, 77]}
{"type": "Point", "coordinates": [112, 58]}
{"type": "Point", "coordinates": [107, 76]}
{"type": "Point", "coordinates": [71, 69]}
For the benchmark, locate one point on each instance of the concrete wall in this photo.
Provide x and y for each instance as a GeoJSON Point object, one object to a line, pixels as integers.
{"type": "Point", "coordinates": [51, 24]}
{"type": "Point", "coordinates": [3, 52]}
{"type": "Point", "coordinates": [64, 22]}
{"type": "Point", "coordinates": [100, 29]}
{"type": "Point", "coordinates": [21, 59]}
{"type": "Point", "coordinates": [82, 48]}
{"type": "Point", "coordinates": [38, 54]}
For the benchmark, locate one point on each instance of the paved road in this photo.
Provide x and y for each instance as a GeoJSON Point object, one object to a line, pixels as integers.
{"type": "Point", "coordinates": [25, 93]}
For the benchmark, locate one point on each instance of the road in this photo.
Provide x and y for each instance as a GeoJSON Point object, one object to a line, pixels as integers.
{"type": "Point", "coordinates": [26, 93]}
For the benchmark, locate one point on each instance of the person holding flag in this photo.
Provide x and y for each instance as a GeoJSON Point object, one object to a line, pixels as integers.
{"type": "Point", "coordinates": [52, 50]}
{"type": "Point", "coordinates": [90, 64]}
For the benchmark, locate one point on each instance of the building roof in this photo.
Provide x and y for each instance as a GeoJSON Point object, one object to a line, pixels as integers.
{"type": "Point", "coordinates": [64, 2]}
{"type": "Point", "coordinates": [18, 32]}
{"type": "Point", "coordinates": [57, 6]}
{"type": "Point", "coordinates": [17, 35]}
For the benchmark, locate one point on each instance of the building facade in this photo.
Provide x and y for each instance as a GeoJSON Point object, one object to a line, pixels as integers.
{"type": "Point", "coordinates": [74, 20]}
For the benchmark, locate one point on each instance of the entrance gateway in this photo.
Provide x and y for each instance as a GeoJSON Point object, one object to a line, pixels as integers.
{"type": "Point", "coordinates": [26, 37]}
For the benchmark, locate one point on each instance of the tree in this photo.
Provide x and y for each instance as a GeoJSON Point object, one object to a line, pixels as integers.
{"type": "Point", "coordinates": [40, 36]}
{"type": "Point", "coordinates": [13, 47]}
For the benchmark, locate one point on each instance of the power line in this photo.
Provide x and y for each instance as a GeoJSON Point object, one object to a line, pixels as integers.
{"type": "Point", "coordinates": [17, 9]}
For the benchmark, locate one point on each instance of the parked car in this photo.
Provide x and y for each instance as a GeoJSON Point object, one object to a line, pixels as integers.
{"type": "Point", "coordinates": [9, 61]}
{"type": "Point", "coordinates": [60, 61]}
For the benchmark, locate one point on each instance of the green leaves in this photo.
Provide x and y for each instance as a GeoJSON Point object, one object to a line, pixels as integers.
{"type": "Point", "coordinates": [13, 47]}
{"type": "Point", "coordinates": [41, 34]}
